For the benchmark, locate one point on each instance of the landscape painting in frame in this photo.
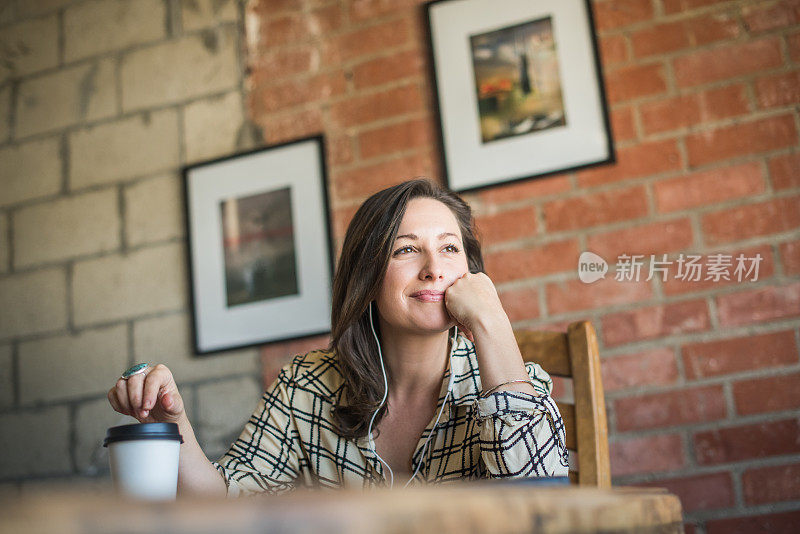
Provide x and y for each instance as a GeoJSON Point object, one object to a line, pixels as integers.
{"type": "Point", "coordinates": [259, 250]}
{"type": "Point", "coordinates": [517, 80]}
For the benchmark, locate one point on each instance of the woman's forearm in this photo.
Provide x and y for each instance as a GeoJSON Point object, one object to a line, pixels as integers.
{"type": "Point", "coordinates": [196, 474]}
{"type": "Point", "coordinates": [499, 358]}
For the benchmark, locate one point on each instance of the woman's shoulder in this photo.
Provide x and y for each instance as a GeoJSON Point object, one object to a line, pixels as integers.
{"type": "Point", "coordinates": [316, 371]}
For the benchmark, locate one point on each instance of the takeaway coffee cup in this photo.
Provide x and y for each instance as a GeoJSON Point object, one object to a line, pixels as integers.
{"type": "Point", "coordinates": [144, 459]}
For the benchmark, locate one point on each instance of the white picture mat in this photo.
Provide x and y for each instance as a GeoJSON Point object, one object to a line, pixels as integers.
{"type": "Point", "coordinates": [297, 167]}
{"type": "Point", "coordinates": [470, 162]}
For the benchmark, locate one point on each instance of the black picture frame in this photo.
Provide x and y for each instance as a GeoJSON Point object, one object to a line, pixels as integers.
{"type": "Point", "coordinates": [493, 128]}
{"type": "Point", "coordinates": [259, 246]}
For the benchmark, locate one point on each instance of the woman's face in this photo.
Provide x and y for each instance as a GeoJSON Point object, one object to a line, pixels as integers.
{"type": "Point", "coordinates": [427, 257]}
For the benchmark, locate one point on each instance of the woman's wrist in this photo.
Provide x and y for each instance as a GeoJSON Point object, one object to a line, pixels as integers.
{"type": "Point", "coordinates": [490, 324]}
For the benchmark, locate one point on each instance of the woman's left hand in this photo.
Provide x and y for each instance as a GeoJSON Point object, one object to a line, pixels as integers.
{"type": "Point", "coordinates": [473, 298]}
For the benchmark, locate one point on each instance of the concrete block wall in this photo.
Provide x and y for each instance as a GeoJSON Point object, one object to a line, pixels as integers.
{"type": "Point", "coordinates": [702, 379]}
{"type": "Point", "coordinates": [101, 103]}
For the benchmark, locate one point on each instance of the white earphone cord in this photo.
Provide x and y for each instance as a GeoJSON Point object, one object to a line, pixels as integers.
{"type": "Point", "coordinates": [386, 393]}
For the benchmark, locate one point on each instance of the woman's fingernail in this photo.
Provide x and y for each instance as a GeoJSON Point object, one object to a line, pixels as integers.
{"type": "Point", "coordinates": [145, 413]}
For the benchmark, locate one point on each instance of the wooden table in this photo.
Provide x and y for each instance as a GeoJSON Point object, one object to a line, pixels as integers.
{"type": "Point", "coordinates": [484, 507]}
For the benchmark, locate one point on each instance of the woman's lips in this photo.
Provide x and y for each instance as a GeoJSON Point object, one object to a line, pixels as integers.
{"type": "Point", "coordinates": [428, 296]}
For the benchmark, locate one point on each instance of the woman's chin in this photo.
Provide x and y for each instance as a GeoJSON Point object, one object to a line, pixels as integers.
{"type": "Point", "coordinates": [436, 324]}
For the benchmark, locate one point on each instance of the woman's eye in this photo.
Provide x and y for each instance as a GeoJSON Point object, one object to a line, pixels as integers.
{"type": "Point", "coordinates": [451, 248]}
{"type": "Point", "coordinates": [403, 250]}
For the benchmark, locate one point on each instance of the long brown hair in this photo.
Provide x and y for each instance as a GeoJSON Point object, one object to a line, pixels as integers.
{"type": "Point", "coordinates": [359, 273]}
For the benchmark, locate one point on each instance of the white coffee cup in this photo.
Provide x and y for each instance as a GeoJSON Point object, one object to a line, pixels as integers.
{"type": "Point", "coordinates": [144, 459]}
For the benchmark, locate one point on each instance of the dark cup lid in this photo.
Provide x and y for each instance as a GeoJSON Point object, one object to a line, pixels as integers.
{"type": "Point", "coordinates": [143, 431]}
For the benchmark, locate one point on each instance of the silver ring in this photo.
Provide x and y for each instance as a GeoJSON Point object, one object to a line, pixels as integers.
{"type": "Point", "coordinates": [137, 369]}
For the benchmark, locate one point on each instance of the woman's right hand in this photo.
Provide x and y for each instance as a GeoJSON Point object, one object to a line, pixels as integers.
{"type": "Point", "coordinates": [150, 397]}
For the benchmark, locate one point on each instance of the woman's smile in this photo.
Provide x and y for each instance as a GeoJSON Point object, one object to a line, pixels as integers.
{"type": "Point", "coordinates": [428, 295]}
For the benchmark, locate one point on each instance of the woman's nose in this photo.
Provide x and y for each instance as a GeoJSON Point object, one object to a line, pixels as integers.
{"type": "Point", "coordinates": [432, 269]}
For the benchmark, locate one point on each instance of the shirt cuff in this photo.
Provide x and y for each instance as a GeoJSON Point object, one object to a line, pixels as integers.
{"type": "Point", "coordinates": [232, 488]}
{"type": "Point", "coordinates": [515, 403]}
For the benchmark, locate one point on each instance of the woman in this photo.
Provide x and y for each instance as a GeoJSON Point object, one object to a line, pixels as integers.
{"type": "Point", "coordinates": [423, 381]}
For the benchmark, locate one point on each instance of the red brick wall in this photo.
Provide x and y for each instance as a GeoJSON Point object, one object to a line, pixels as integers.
{"type": "Point", "coordinates": [703, 378]}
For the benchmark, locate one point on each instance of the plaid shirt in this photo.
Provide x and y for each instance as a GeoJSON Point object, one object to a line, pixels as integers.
{"type": "Point", "coordinates": [290, 440]}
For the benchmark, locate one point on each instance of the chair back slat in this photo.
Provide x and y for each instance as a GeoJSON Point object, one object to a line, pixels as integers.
{"type": "Point", "coordinates": [590, 407]}
{"type": "Point", "coordinates": [568, 415]}
{"type": "Point", "coordinates": [575, 354]}
{"type": "Point", "coordinates": [548, 349]}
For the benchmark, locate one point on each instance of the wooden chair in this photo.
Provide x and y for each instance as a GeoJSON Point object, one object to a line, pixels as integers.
{"type": "Point", "coordinates": [574, 354]}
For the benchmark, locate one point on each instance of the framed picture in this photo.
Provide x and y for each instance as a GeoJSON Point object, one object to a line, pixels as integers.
{"type": "Point", "coordinates": [260, 251]}
{"type": "Point", "coordinates": [519, 89]}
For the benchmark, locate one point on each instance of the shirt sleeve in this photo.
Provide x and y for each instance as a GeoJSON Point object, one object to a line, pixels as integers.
{"type": "Point", "coordinates": [522, 434]}
{"type": "Point", "coordinates": [264, 459]}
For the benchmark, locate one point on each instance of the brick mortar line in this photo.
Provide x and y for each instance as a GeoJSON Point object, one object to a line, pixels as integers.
{"type": "Point", "coordinates": [736, 472]}
{"type": "Point", "coordinates": [305, 11]}
{"type": "Point", "coordinates": [346, 67]}
{"type": "Point", "coordinates": [713, 311]}
{"type": "Point", "coordinates": [677, 354]}
{"type": "Point", "coordinates": [360, 164]}
{"type": "Point", "coordinates": [69, 276]}
{"type": "Point", "coordinates": [255, 135]}
{"type": "Point", "coordinates": [694, 90]}
{"type": "Point", "coordinates": [685, 338]}
{"type": "Point", "coordinates": [337, 66]}
{"type": "Point", "coordinates": [351, 91]}
{"type": "Point", "coordinates": [783, 44]}
{"type": "Point", "coordinates": [753, 374]}
{"type": "Point", "coordinates": [93, 188]}
{"type": "Point", "coordinates": [61, 37]}
{"type": "Point", "coordinates": [7, 213]}
{"type": "Point", "coordinates": [746, 511]}
{"type": "Point", "coordinates": [777, 258]}
{"type": "Point", "coordinates": [690, 90]}
{"type": "Point", "coordinates": [710, 337]}
{"type": "Point", "coordinates": [423, 149]}
{"type": "Point", "coordinates": [690, 471]}
{"type": "Point", "coordinates": [691, 430]}
{"type": "Point", "coordinates": [120, 53]}
{"type": "Point", "coordinates": [16, 399]}
{"type": "Point", "coordinates": [13, 97]}
{"type": "Point", "coordinates": [767, 178]}
{"type": "Point", "coordinates": [72, 437]}
{"type": "Point", "coordinates": [83, 258]}
{"type": "Point", "coordinates": [78, 401]}
{"type": "Point", "coordinates": [130, 343]}
{"type": "Point", "coordinates": [315, 104]}
{"type": "Point", "coordinates": [730, 402]}
{"type": "Point", "coordinates": [677, 173]}
{"type": "Point", "coordinates": [688, 450]}
{"type": "Point", "coordinates": [642, 345]}
{"type": "Point", "coordinates": [741, 120]}
{"type": "Point", "coordinates": [172, 19]}
{"type": "Point", "coordinates": [727, 42]}
{"type": "Point", "coordinates": [591, 231]}
{"type": "Point", "coordinates": [613, 308]}
{"type": "Point", "coordinates": [47, 13]}
{"type": "Point", "coordinates": [82, 126]}
{"type": "Point", "coordinates": [383, 123]}
{"type": "Point", "coordinates": [39, 336]}
{"type": "Point", "coordinates": [684, 14]}
{"type": "Point", "coordinates": [121, 214]}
